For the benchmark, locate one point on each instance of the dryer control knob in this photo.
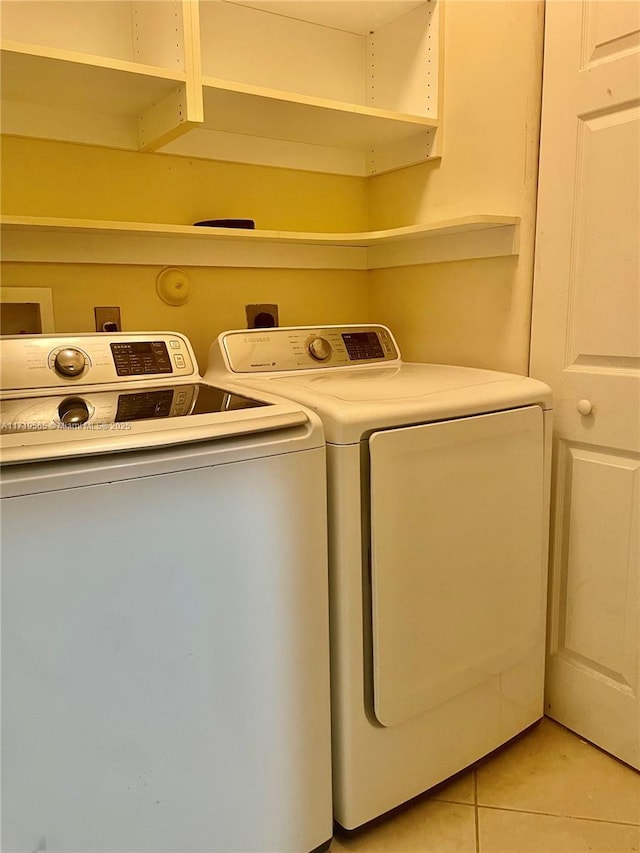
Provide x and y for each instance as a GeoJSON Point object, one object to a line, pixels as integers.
{"type": "Point", "coordinates": [69, 362]}
{"type": "Point", "coordinates": [320, 349]}
{"type": "Point", "coordinates": [73, 411]}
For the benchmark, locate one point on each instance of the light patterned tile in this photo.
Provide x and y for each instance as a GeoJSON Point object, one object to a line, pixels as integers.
{"type": "Point", "coordinates": [425, 827]}
{"type": "Point", "coordinates": [508, 832]}
{"type": "Point", "coordinates": [459, 790]}
{"type": "Point", "coordinates": [551, 770]}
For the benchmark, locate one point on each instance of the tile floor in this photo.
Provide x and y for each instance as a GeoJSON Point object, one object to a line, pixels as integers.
{"type": "Point", "coordinates": [547, 792]}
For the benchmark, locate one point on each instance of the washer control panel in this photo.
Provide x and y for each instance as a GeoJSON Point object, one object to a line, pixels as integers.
{"type": "Point", "coordinates": [52, 361]}
{"type": "Point", "coordinates": [143, 358]}
{"type": "Point", "coordinates": [304, 348]}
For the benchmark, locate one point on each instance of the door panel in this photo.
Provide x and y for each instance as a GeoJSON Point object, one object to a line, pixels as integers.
{"type": "Point", "coordinates": [586, 345]}
{"type": "Point", "coordinates": [606, 258]}
{"type": "Point", "coordinates": [457, 556]}
{"type": "Point", "coordinates": [611, 28]}
{"type": "Point", "coordinates": [592, 677]}
{"type": "Point", "coordinates": [599, 626]}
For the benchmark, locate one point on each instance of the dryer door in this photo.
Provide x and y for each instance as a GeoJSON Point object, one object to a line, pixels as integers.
{"type": "Point", "coordinates": [458, 561]}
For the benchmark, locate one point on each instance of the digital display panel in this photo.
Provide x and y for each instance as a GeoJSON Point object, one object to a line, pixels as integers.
{"type": "Point", "coordinates": [362, 345]}
{"type": "Point", "coordinates": [141, 358]}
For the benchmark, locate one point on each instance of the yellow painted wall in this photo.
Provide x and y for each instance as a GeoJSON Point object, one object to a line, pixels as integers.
{"type": "Point", "coordinates": [472, 312]}
{"type": "Point", "coordinates": [43, 178]}
{"type": "Point", "coordinates": [217, 303]}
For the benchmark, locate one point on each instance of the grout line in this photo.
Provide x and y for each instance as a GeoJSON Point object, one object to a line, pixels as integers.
{"type": "Point", "coordinates": [475, 806]}
{"type": "Point", "coordinates": [557, 814]}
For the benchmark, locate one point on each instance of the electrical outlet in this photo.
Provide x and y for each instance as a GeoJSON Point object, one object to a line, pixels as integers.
{"type": "Point", "coordinates": [261, 316]}
{"type": "Point", "coordinates": [107, 319]}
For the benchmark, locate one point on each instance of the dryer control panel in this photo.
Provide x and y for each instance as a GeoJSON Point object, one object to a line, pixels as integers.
{"type": "Point", "coordinates": [307, 348]}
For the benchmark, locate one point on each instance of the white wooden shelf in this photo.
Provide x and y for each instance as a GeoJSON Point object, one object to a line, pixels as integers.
{"type": "Point", "coordinates": [51, 240]}
{"type": "Point", "coordinates": [253, 124]}
{"type": "Point", "coordinates": [350, 15]}
{"type": "Point", "coordinates": [52, 93]}
{"type": "Point", "coordinates": [347, 88]}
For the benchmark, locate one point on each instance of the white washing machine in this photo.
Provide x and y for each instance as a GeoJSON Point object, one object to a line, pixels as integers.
{"type": "Point", "coordinates": [438, 482]}
{"type": "Point", "coordinates": [165, 654]}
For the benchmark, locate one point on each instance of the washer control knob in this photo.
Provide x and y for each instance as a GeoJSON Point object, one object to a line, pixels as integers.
{"type": "Point", "coordinates": [320, 349]}
{"type": "Point", "coordinates": [73, 411]}
{"type": "Point", "coordinates": [585, 407]}
{"type": "Point", "coordinates": [69, 362]}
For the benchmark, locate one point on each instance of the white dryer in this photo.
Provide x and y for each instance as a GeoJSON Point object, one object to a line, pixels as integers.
{"type": "Point", "coordinates": [438, 481]}
{"type": "Point", "coordinates": [165, 640]}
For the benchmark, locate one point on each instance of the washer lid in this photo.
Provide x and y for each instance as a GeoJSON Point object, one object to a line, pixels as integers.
{"type": "Point", "coordinates": [47, 438]}
{"type": "Point", "coordinates": [353, 402]}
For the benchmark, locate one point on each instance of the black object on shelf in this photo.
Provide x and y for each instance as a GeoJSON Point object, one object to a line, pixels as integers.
{"type": "Point", "coordinates": [227, 223]}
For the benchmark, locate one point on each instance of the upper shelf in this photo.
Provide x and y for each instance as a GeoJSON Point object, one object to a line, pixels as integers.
{"type": "Point", "coordinates": [42, 240]}
{"type": "Point", "coordinates": [353, 16]}
{"type": "Point", "coordinates": [347, 88]}
{"type": "Point", "coordinates": [253, 124]}
{"type": "Point", "coordinates": [52, 93]}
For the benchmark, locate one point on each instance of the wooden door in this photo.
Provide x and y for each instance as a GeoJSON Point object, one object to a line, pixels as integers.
{"type": "Point", "coordinates": [586, 345]}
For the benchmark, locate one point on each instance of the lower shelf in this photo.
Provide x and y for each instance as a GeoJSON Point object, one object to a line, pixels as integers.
{"type": "Point", "coordinates": [49, 240]}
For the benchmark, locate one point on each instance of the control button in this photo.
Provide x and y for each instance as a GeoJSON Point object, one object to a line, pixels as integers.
{"type": "Point", "coordinates": [174, 344]}
{"type": "Point", "coordinates": [179, 360]}
{"type": "Point", "coordinates": [320, 349]}
{"type": "Point", "coordinates": [69, 362]}
{"type": "Point", "coordinates": [73, 411]}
